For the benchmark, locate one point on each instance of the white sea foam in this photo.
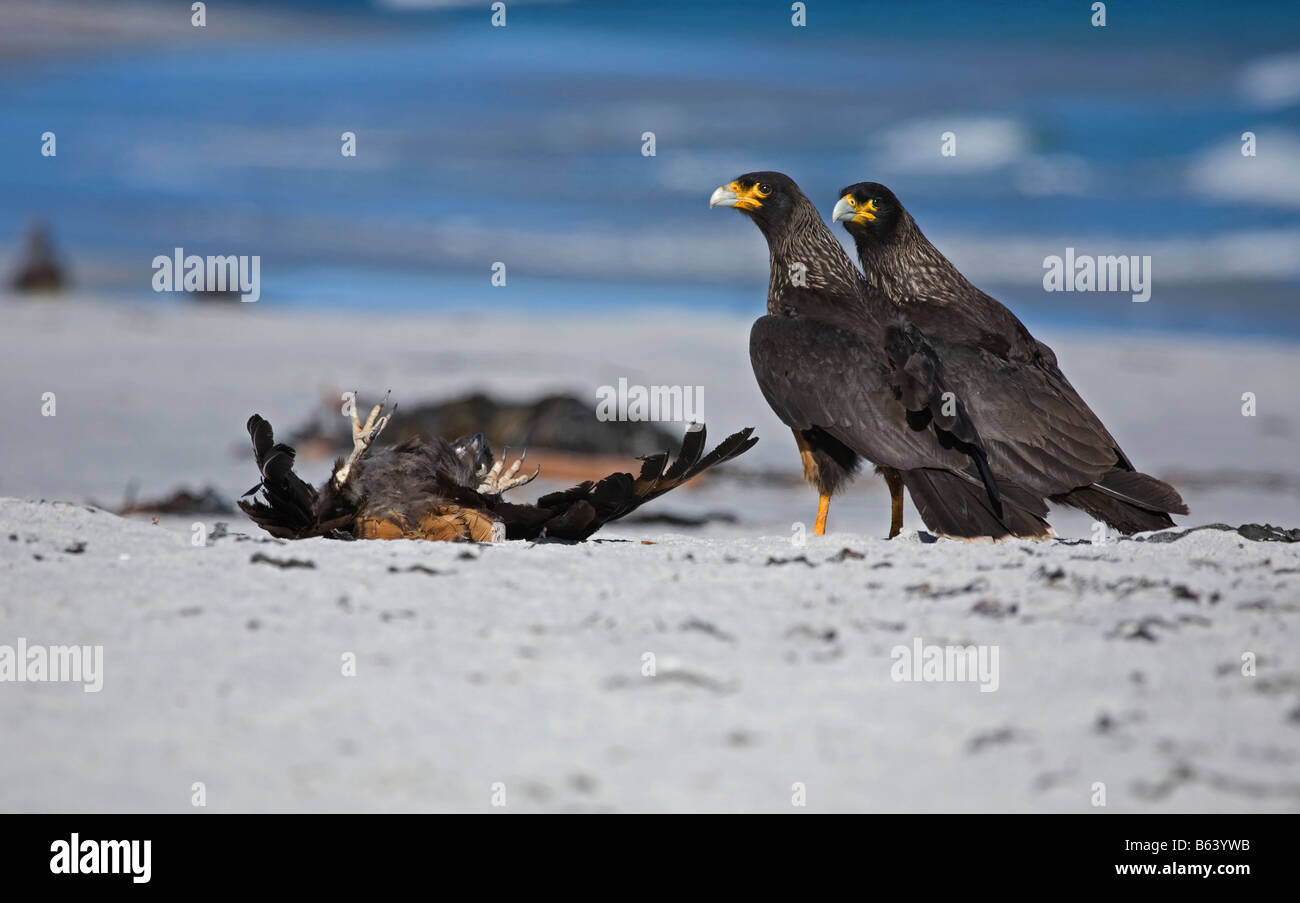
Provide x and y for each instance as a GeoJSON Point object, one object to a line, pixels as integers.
{"type": "Point", "coordinates": [982, 144]}
{"type": "Point", "coordinates": [1270, 177]}
{"type": "Point", "coordinates": [1272, 82]}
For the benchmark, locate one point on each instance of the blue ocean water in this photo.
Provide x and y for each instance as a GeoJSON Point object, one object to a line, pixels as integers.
{"type": "Point", "coordinates": [524, 145]}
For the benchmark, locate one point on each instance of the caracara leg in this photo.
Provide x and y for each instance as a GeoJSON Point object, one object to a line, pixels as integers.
{"type": "Point", "coordinates": [362, 434]}
{"type": "Point", "coordinates": [894, 480]}
{"type": "Point", "coordinates": [812, 475]}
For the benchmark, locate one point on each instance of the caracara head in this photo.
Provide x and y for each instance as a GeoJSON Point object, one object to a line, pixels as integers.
{"type": "Point", "coordinates": [765, 197]}
{"type": "Point", "coordinates": [868, 210]}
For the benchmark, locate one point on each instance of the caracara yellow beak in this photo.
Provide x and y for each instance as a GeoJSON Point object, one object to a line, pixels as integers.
{"type": "Point", "coordinates": [733, 195]}
{"type": "Point", "coordinates": [848, 208]}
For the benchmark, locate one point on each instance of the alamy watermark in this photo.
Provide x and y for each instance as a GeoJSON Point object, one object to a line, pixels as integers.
{"type": "Point", "coordinates": [946, 664]}
{"type": "Point", "coordinates": [214, 273]}
{"type": "Point", "coordinates": [634, 402]}
{"type": "Point", "coordinates": [35, 663]}
{"type": "Point", "coordinates": [75, 856]}
{"type": "Point", "coordinates": [1108, 273]}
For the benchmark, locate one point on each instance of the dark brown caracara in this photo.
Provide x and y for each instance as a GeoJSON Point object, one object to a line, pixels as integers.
{"type": "Point", "coordinates": [439, 490]}
{"type": "Point", "coordinates": [1038, 431]}
{"type": "Point", "coordinates": [854, 379]}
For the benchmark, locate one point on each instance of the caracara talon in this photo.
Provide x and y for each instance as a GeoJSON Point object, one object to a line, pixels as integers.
{"type": "Point", "coordinates": [498, 480]}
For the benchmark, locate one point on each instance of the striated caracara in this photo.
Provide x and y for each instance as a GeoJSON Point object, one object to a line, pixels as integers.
{"type": "Point", "coordinates": [1038, 431]}
{"type": "Point", "coordinates": [853, 378]}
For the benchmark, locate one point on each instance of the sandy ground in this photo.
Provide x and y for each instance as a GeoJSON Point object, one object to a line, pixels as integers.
{"type": "Point", "coordinates": [525, 665]}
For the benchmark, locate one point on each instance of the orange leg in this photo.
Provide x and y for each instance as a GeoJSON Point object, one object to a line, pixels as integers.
{"type": "Point", "coordinates": [823, 506]}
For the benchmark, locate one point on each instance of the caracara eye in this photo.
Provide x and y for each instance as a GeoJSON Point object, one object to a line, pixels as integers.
{"type": "Point", "coordinates": [764, 189]}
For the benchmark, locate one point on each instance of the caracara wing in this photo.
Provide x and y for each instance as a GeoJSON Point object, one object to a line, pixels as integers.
{"type": "Point", "coordinates": [1037, 432]}
{"type": "Point", "coordinates": [815, 375]}
{"type": "Point", "coordinates": [578, 512]}
{"type": "Point", "coordinates": [958, 316]}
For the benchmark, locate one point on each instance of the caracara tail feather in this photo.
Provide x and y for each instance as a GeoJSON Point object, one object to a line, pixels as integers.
{"type": "Point", "coordinates": [1130, 502]}
{"type": "Point", "coordinates": [953, 505]}
{"type": "Point", "coordinates": [990, 484]}
{"type": "Point", "coordinates": [1142, 490]}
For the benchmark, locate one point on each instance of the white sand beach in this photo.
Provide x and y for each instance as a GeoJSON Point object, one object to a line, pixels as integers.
{"type": "Point", "coordinates": [523, 664]}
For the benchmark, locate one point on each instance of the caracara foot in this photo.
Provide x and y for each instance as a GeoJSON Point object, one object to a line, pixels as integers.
{"type": "Point", "coordinates": [501, 478]}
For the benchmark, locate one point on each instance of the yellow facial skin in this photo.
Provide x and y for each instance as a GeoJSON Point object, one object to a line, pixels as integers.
{"type": "Point", "coordinates": [849, 208]}
{"type": "Point", "coordinates": [742, 197]}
